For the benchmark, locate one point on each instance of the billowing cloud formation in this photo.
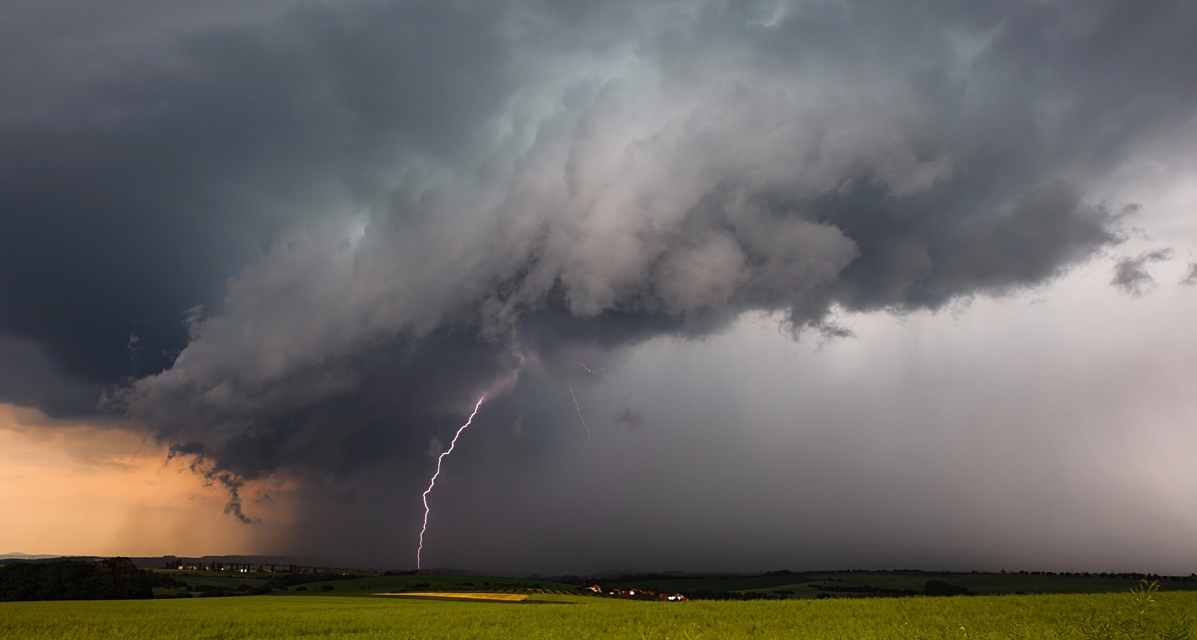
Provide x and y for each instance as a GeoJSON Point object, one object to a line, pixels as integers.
{"type": "Point", "coordinates": [1131, 276]}
{"type": "Point", "coordinates": [386, 208]}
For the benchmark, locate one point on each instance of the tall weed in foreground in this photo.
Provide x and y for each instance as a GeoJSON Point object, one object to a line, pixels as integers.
{"type": "Point", "coordinates": [1137, 622]}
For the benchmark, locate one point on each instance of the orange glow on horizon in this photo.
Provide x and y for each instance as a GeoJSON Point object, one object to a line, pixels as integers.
{"type": "Point", "coordinates": [80, 488]}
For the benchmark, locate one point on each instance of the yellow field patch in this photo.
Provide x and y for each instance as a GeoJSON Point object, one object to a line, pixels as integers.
{"type": "Point", "coordinates": [501, 597]}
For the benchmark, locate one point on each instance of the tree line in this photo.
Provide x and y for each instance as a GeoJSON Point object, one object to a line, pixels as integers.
{"type": "Point", "coordinates": [111, 579]}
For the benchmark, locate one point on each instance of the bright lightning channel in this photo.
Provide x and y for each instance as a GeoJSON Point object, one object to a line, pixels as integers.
{"type": "Point", "coordinates": [432, 483]}
{"type": "Point", "coordinates": [579, 408]}
{"type": "Point", "coordinates": [594, 371]}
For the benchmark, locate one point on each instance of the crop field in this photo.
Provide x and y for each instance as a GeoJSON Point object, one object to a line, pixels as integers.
{"type": "Point", "coordinates": [1102, 616]}
{"type": "Point", "coordinates": [461, 595]}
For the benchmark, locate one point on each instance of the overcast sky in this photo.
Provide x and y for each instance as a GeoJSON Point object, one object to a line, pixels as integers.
{"type": "Point", "coordinates": [744, 285]}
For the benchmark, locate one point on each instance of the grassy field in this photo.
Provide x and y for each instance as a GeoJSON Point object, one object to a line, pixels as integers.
{"type": "Point", "coordinates": [1102, 616]}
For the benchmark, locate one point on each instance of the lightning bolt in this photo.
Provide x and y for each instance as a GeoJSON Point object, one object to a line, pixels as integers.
{"type": "Point", "coordinates": [594, 371]}
{"type": "Point", "coordinates": [432, 483]}
{"type": "Point", "coordinates": [579, 408]}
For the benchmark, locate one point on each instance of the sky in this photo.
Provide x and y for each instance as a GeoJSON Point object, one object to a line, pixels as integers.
{"type": "Point", "coordinates": [742, 286]}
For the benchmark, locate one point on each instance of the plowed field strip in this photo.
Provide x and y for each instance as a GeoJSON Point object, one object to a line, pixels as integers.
{"type": "Point", "coordinates": [500, 597]}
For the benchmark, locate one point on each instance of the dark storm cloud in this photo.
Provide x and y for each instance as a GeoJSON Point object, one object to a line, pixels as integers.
{"type": "Point", "coordinates": [132, 193]}
{"type": "Point", "coordinates": [29, 378]}
{"type": "Point", "coordinates": [1131, 275]}
{"type": "Point", "coordinates": [386, 208]}
{"type": "Point", "coordinates": [201, 465]}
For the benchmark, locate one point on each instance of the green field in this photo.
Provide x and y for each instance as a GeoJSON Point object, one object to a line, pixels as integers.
{"type": "Point", "coordinates": [1125, 615]}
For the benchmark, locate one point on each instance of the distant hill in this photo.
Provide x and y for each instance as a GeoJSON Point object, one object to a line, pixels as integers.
{"type": "Point", "coordinates": [156, 562]}
{"type": "Point", "coordinates": [864, 584]}
{"type": "Point", "coordinates": [26, 558]}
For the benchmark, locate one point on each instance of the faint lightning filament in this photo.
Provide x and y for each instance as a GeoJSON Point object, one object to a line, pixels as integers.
{"type": "Point", "coordinates": [432, 483]}
{"type": "Point", "coordinates": [594, 371]}
{"type": "Point", "coordinates": [579, 408]}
